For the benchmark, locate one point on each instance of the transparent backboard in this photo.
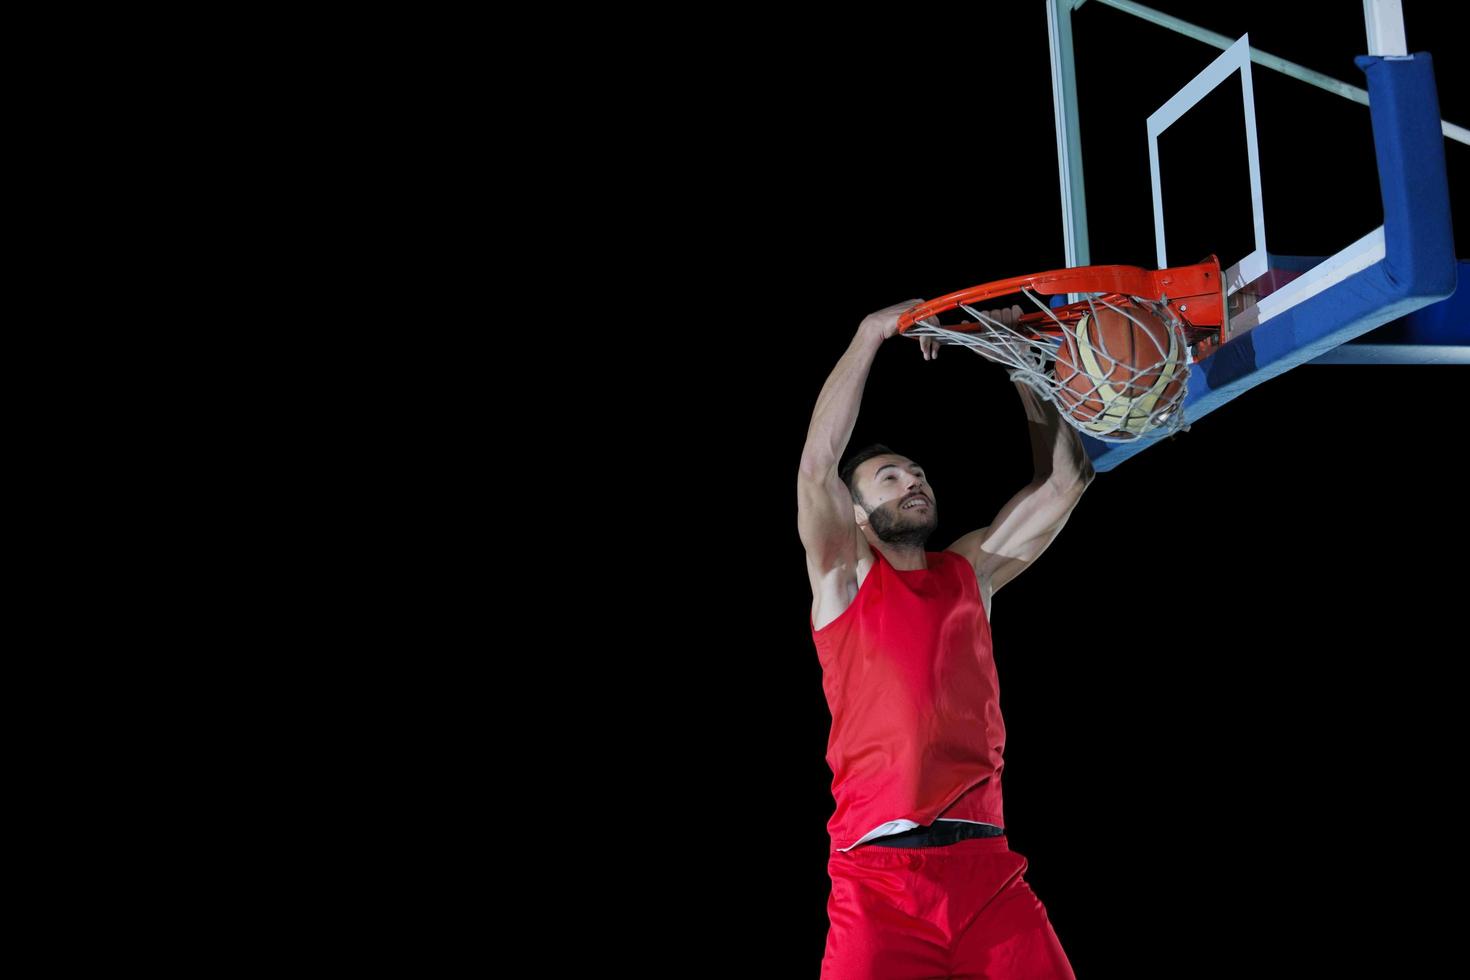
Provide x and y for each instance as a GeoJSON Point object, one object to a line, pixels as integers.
{"type": "Point", "coordinates": [1310, 162]}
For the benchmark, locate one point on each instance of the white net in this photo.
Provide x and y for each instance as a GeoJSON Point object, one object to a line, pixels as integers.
{"type": "Point", "coordinates": [1113, 397]}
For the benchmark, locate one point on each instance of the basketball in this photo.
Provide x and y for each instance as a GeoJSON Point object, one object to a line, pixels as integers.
{"type": "Point", "coordinates": [1115, 374]}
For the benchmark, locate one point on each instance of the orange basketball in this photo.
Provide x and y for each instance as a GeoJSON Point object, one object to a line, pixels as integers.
{"type": "Point", "coordinates": [1115, 374]}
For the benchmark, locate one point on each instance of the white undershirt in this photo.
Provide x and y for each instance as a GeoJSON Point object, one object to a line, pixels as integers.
{"type": "Point", "coordinates": [899, 826]}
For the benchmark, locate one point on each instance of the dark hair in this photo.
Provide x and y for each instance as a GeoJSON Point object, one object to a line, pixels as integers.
{"type": "Point", "coordinates": [848, 470]}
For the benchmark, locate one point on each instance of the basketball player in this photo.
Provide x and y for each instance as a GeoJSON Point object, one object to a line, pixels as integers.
{"type": "Point", "coordinates": [924, 883]}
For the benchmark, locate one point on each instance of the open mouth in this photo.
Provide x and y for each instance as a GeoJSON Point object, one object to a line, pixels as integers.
{"type": "Point", "coordinates": [915, 503]}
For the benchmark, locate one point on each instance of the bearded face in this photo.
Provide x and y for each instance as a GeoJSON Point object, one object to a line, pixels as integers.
{"type": "Point", "coordinates": [899, 503]}
{"type": "Point", "coordinates": [905, 527]}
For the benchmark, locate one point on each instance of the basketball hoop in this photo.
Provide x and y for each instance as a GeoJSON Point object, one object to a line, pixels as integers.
{"type": "Point", "coordinates": [1120, 356]}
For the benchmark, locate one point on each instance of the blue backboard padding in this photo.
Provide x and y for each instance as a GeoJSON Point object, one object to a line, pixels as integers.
{"type": "Point", "coordinates": [1445, 322]}
{"type": "Point", "coordinates": [1408, 140]}
{"type": "Point", "coordinates": [1418, 268]}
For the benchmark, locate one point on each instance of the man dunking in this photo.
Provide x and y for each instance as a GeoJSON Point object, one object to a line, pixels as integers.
{"type": "Point", "coordinates": [903, 636]}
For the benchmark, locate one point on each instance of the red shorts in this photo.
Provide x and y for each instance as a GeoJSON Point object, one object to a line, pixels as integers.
{"type": "Point", "coordinates": [962, 910]}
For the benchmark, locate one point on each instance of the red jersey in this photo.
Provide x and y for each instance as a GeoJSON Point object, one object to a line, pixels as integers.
{"type": "Point", "coordinates": [915, 702]}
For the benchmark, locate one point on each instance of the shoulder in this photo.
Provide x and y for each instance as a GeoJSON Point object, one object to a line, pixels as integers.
{"type": "Point", "coordinates": [970, 546]}
{"type": "Point", "coordinates": [834, 593]}
{"type": "Point", "coordinates": [969, 560]}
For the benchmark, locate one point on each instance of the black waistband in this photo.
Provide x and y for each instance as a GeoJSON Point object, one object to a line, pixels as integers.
{"type": "Point", "coordinates": [937, 834]}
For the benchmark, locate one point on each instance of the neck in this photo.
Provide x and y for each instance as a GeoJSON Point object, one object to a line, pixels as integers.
{"type": "Point", "coordinates": [905, 559]}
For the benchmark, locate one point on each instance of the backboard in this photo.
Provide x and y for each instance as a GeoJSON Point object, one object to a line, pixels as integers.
{"type": "Point", "coordinates": [1311, 162]}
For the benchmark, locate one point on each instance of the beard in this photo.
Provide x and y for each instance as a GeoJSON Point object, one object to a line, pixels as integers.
{"type": "Point", "coordinates": [904, 528]}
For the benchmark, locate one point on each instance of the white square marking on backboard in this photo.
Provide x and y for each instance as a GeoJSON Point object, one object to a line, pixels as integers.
{"type": "Point", "coordinates": [1235, 58]}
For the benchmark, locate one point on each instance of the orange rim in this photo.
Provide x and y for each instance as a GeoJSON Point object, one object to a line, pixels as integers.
{"type": "Point", "coordinates": [1194, 292]}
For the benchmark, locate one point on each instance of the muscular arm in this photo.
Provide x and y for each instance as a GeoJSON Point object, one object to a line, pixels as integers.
{"type": "Point", "coordinates": [1031, 520]}
{"type": "Point", "coordinates": [837, 405]}
{"type": "Point", "coordinates": [824, 507]}
{"type": "Point", "coordinates": [1057, 453]}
